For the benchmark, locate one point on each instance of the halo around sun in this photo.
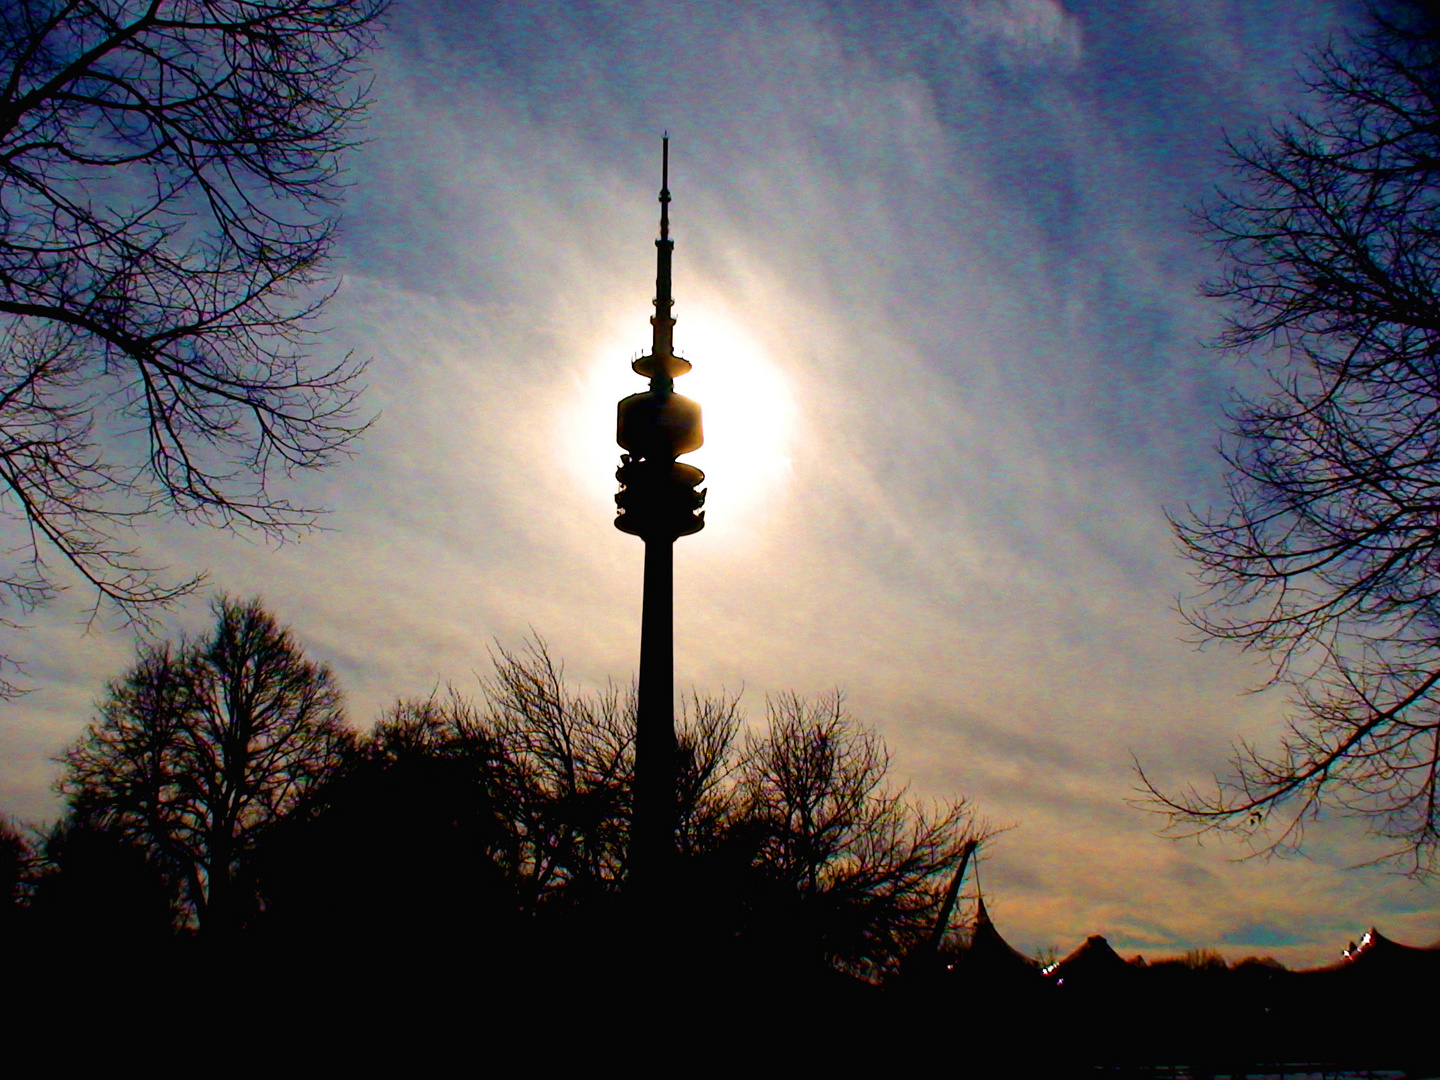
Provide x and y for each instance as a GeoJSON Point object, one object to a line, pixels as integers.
{"type": "Point", "coordinates": [746, 400]}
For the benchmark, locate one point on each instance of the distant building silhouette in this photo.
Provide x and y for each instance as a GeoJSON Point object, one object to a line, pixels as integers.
{"type": "Point", "coordinates": [992, 960]}
{"type": "Point", "coordinates": [1094, 965]}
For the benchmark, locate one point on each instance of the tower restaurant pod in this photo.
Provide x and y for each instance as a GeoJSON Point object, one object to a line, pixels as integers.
{"type": "Point", "coordinates": [658, 424]}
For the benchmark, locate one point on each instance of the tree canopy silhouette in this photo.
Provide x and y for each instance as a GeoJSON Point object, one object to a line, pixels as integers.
{"type": "Point", "coordinates": [795, 854]}
{"type": "Point", "coordinates": [495, 830]}
{"type": "Point", "coordinates": [169, 181]}
{"type": "Point", "coordinates": [1326, 556]}
{"type": "Point", "coordinates": [201, 750]}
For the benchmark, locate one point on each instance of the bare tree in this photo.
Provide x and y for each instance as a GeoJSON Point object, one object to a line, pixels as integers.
{"type": "Point", "coordinates": [200, 750]}
{"type": "Point", "coordinates": [706, 800]}
{"type": "Point", "coordinates": [573, 759]}
{"type": "Point", "coordinates": [1326, 557]}
{"type": "Point", "coordinates": [169, 171]}
{"type": "Point", "coordinates": [867, 865]}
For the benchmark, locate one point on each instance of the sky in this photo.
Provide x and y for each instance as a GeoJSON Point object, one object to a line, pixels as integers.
{"type": "Point", "coordinates": [936, 268]}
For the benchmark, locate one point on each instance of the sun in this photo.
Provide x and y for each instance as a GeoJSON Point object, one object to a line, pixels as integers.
{"type": "Point", "coordinates": [746, 402]}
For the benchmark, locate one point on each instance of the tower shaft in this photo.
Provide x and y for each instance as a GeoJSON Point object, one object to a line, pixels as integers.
{"type": "Point", "coordinates": [657, 502]}
{"type": "Point", "coordinates": [652, 837]}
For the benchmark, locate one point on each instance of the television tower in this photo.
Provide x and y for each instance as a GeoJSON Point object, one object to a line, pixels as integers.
{"type": "Point", "coordinates": [657, 502]}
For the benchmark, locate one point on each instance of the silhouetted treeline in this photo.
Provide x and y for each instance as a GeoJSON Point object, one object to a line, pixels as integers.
{"type": "Point", "coordinates": [218, 807]}
{"type": "Point", "coordinates": [229, 838]}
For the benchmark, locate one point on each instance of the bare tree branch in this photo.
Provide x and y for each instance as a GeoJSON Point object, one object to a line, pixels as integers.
{"type": "Point", "coordinates": [1326, 557]}
{"type": "Point", "coordinates": [169, 172]}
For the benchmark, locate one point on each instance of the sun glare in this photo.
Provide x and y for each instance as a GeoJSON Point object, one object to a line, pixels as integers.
{"type": "Point", "coordinates": [746, 401]}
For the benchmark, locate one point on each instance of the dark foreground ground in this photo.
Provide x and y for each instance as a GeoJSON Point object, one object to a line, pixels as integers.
{"type": "Point", "coordinates": [303, 1002]}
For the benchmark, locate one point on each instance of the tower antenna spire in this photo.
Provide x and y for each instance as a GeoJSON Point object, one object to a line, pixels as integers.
{"type": "Point", "coordinates": [662, 365]}
{"type": "Point", "coordinates": [665, 186]}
